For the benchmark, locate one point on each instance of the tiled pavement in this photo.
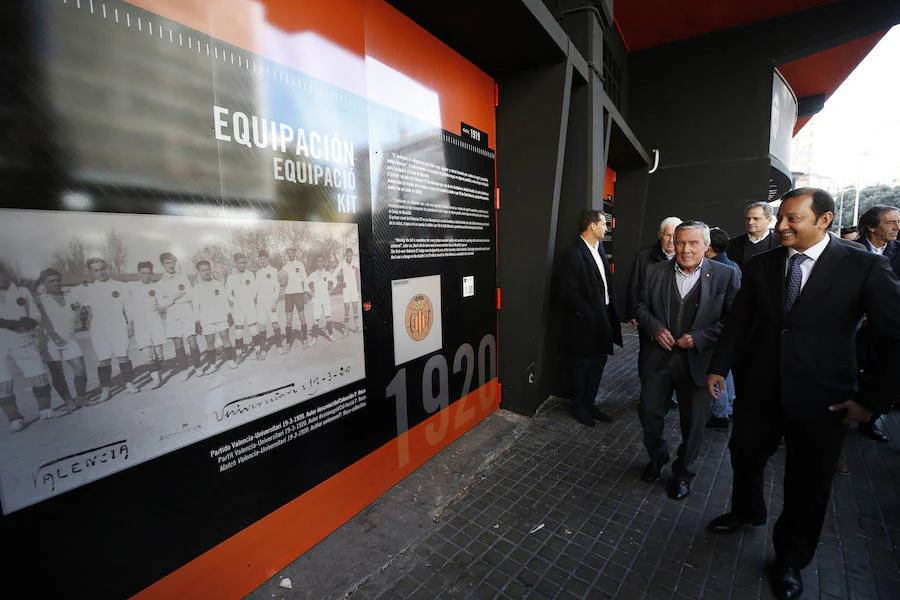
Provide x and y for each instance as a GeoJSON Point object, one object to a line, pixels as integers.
{"type": "Point", "coordinates": [563, 514]}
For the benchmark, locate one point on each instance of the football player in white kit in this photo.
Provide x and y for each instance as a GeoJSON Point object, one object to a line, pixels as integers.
{"type": "Point", "coordinates": [267, 292]}
{"type": "Point", "coordinates": [241, 286]}
{"type": "Point", "coordinates": [18, 343]}
{"type": "Point", "coordinates": [149, 332]}
{"type": "Point", "coordinates": [212, 310]}
{"type": "Point", "coordinates": [179, 315]}
{"type": "Point", "coordinates": [106, 300]}
{"type": "Point", "coordinates": [349, 274]}
{"type": "Point", "coordinates": [294, 295]}
{"type": "Point", "coordinates": [319, 282]}
{"type": "Point", "coordinates": [60, 316]}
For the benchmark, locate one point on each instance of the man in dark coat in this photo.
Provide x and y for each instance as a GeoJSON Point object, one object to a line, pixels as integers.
{"type": "Point", "coordinates": [878, 228]}
{"type": "Point", "coordinates": [758, 238]}
{"type": "Point", "coordinates": [721, 408]}
{"type": "Point", "coordinates": [591, 320]}
{"type": "Point", "coordinates": [681, 309]}
{"type": "Point", "coordinates": [663, 249]}
{"type": "Point", "coordinates": [804, 299]}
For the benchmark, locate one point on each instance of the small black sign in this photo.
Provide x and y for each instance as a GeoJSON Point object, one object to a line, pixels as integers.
{"type": "Point", "coordinates": [476, 136]}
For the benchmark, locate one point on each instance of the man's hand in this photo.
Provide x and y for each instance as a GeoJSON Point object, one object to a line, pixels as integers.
{"type": "Point", "coordinates": [685, 341]}
{"type": "Point", "coordinates": [715, 384]}
{"type": "Point", "coordinates": [664, 338]}
{"type": "Point", "coordinates": [633, 322]}
{"type": "Point", "coordinates": [855, 412]}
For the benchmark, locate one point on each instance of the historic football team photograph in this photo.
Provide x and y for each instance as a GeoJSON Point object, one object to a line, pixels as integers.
{"type": "Point", "coordinates": [149, 327]}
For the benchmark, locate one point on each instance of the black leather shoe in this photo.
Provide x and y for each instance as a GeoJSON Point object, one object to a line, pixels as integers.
{"type": "Point", "coordinates": [651, 471]}
{"type": "Point", "coordinates": [786, 582]}
{"type": "Point", "coordinates": [679, 488]}
{"type": "Point", "coordinates": [597, 414]}
{"type": "Point", "coordinates": [874, 432]}
{"type": "Point", "coordinates": [582, 416]}
{"type": "Point", "coordinates": [730, 522]}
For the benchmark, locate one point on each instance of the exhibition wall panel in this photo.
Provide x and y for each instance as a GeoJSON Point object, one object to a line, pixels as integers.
{"type": "Point", "coordinates": [248, 281]}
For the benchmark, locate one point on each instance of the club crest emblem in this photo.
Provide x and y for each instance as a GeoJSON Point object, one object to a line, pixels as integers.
{"type": "Point", "coordinates": [246, 282]}
{"type": "Point", "coordinates": [268, 276]}
{"type": "Point", "coordinates": [216, 291]}
{"type": "Point", "coordinates": [151, 293]}
{"type": "Point", "coordinates": [180, 287]}
{"type": "Point", "coordinates": [419, 317]}
{"type": "Point", "coordinates": [20, 301]}
{"type": "Point", "coordinates": [296, 269]}
{"type": "Point", "coordinates": [115, 294]}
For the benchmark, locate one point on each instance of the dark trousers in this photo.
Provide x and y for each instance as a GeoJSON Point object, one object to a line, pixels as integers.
{"type": "Point", "coordinates": [812, 449]}
{"type": "Point", "coordinates": [587, 370]}
{"type": "Point", "coordinates": [694, 403]}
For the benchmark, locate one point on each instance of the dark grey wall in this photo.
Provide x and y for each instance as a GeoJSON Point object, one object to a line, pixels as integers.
{"type": "Point", "coordinates": [530, 179]}
{"type": "Point", "coordinates": [705, 106]}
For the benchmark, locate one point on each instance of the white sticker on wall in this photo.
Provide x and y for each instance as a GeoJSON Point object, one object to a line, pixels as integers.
{"type": "Point", "coordinates": [468, 286]}
{"type": "Point", "coordinates": [416, 307]}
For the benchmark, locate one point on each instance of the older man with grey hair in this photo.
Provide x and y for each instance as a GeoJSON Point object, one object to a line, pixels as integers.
{"type": "Point", "coordinates": [661, 250]}
{"type": "Point", "coordinates": [758, 239]}
{"type": "Point", "coordinates": [681, 308]}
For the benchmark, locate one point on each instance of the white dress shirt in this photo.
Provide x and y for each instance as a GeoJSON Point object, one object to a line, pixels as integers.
{"type": "Point", "coordinates": [761, 237]}
{"type": "Point", "coordinates": [686, 281]}
{"type": "Point", "coordinates": [596, 254]}
{"type": "Point", "coordinates": [813, 253]}
{"type": "Point", "coordinates": [876, 249]}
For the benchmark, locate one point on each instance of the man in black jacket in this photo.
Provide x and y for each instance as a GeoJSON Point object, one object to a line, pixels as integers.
{"type": "Point", "coordinates": [878, 228]}
{"type": "Point", "coordinates": [758, 238]}
{"type": "Point", "coordinates": [808, 387]}
{"type": "Point", "coordinates": [591, 320]}
{"type": "Point", "coordinates": [661, 250]}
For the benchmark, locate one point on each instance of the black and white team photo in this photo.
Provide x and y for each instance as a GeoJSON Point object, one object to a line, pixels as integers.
{"type": "Point", "coordinates": [152, 329]}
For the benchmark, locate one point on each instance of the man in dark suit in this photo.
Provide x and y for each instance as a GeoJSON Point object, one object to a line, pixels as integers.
{"type": "Point", "coordinates": [878, 228]}
{"type": "Point", "coordinates": [591, 320]}
{"type": "Point", "coordinates": [758, 238]}
{"type": "Point", "coordinates": [805, 299]}
{"type": "Point", "coordinates": [681, 309]}
{"type": "Point", "coordinates": [721, 408]}
{"type": "Point", "coordinates": [659, 251]}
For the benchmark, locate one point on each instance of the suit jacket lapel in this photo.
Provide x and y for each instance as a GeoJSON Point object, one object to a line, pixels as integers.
{"type": "Point", "coordinates": [586, 254]}
{"type": "Point", "coordinates": [606, 270]}
{"type": "Point", "coordinates": [592, 271]}
{"type": "Point", "coordinates": [668, 282]}
{"type": "Point", "coordinates": [706, 277]}
{"type": "Point", "coordinates": [775, 277]}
